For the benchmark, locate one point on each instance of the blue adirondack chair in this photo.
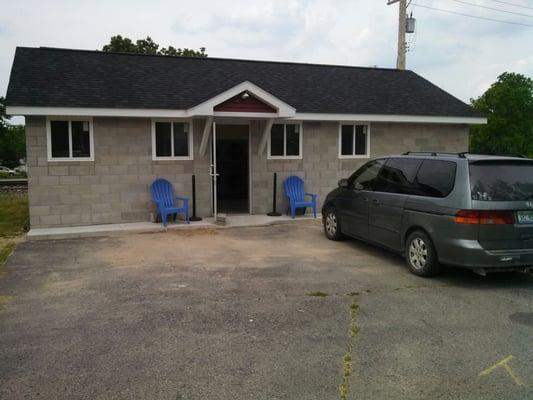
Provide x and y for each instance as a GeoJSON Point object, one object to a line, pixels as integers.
{"type": "Point", "coordinates": [294, 190]}
{"type": "Point", "coordinates": [163, 196]}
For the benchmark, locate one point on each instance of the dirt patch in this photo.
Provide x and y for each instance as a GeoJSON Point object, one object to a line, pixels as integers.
{"type": "Point", "coordinates": [195, 232]}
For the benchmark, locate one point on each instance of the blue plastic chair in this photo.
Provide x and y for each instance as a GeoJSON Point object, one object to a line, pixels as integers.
{"type": "Point", "coordinates": [163, 196]}
{"type": "Point", "coordinates": [294, 190]}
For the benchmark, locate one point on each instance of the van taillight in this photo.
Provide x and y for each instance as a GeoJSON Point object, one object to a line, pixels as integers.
{"type": "Point", "coordinates": [475, 217]}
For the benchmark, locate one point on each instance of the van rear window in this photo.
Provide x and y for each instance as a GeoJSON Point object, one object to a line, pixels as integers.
{"type": "Point", "coordinates": [501, 180]}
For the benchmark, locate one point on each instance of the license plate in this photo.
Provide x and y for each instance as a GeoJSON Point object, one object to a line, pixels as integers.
{"type": "Point", "coordinates": [525, 217]}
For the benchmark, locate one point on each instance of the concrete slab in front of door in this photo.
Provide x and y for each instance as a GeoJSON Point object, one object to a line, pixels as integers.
{"type": "Point", "coordinates": [232, 221]}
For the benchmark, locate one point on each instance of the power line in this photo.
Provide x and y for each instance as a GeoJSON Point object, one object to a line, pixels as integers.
{"type": "Point", "coordinates": [512, 4]}
{"type": "Point", "coordinates": [493, 9]}
{"type": "Point", "coordinates": [473, 16]}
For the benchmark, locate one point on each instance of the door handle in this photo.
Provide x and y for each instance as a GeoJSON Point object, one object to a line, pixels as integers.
{"type": "Point", "coordinates": [365, 199]}
{"type": "Point", "coordinates": [375, 201]}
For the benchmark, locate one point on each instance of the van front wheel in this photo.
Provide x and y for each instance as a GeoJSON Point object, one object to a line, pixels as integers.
{"type": "Point", "coordinates": [332, 227]}
{"type": "Point", "coordinates": [420, 255]}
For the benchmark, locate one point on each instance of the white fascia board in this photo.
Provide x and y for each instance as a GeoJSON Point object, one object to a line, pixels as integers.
{"type": "Point", "coordinates": [389, 118]}
{"type": "Point", "coordinates": [96, 112]}
{"type": "Point", "coordinates": [206, 108]}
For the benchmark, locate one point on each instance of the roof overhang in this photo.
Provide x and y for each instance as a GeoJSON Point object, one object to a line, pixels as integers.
{"type": "Point", "coordinates": [159, 113]}
{"type": "Point", "coordinates": [422, 119]}
{"type": "Point", "coordinates": [207, 109]}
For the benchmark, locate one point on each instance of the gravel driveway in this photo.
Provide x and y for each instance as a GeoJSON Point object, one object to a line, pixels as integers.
{"type": "Point", "coordinates": [270, 313]}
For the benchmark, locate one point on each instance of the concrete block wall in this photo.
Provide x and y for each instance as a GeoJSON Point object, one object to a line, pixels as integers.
{"type": "Point", "coordinates": [114, 188]}
{"type": "Point", "coordinates": [321, 167]}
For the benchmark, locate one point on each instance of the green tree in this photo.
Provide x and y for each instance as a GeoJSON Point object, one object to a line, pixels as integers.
{"type": "Point", "coordinates": [508, 105]}
{"type": "Point", "coordinates": [12, 140]}
{"type": "Point", "coordinates": [121, 44]}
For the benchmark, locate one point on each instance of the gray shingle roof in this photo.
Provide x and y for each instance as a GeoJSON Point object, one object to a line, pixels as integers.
{"type": "Point", "coordinates": [46, 77]}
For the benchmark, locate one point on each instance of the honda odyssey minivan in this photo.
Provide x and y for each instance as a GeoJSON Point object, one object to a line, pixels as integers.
{"type": "Point", "coordinates": [467, 210]}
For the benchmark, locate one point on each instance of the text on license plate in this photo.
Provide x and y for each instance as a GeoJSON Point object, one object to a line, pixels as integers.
{"type": "Point", "coordinates": [525, 217]}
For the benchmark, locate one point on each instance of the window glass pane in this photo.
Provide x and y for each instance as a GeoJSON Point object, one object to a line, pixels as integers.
{"type": "Point", "coordinates": [81, 146]}
{"type": "Point", "coordinates": [501, 180]}
{"type": "Point", "coordinates": [276, 140]}
{"type": "Point", "coordinates": [347, 140]}
{"type": "Point", "coordinates": [435, 178]}
{"type": "Point", "coordinates": [162, 139]}
{"type": "Point", "coordinates": [293, 140]}
{"type": "Point", "coordinates": [360, 140]}
{"type": "Point", "coordinates": [397, 176]}
{"type": "Point", "coordinates": [59, 136]}
{"type": "Point", "coordinates": [181, 139]}
{"type": "Point", "coordinates": [366, 175]}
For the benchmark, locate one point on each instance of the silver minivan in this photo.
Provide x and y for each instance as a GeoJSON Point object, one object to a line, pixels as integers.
{"type": "Point", "coordinates": [467, 210]}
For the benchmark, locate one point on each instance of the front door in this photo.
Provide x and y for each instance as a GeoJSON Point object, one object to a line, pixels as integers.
{"type": "Point", "coordinates": [391, 189]}
{"type": "Point", "coordinates": [353, 202]}
{"type": "Point", "coordinates": [232, 167]}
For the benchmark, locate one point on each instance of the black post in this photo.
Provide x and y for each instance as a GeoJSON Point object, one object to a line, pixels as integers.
{"type": "Point", "coordinates": [194, 217]}
{"type": "Point", "coordinates": [274, 212]}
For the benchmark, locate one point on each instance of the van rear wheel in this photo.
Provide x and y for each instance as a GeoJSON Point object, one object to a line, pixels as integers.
{"type": "Point", "coordinates": [420, 255]}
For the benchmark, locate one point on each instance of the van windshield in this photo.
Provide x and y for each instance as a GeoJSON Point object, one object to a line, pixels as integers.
{"type": "Point", "coordinates": [501, 180]}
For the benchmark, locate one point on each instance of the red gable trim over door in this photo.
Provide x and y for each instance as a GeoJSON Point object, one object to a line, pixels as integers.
{"type": "Point", "coordinates": [247, 104]}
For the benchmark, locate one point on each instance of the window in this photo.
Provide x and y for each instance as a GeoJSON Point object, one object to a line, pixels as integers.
{"type": "Point", "coordinates": [398, 176]}
{"type": "Point", "coordinates": [353, 141]}
{"type": "Point", "coordinates": [171, 140]}
{"type": "Point", "coordinates": [435, 178]}
{"type": "Point", "coordinates": [366, 175]}
{"type": "Point", "coordinates": [285, 141]}
{"type": "Point", "coordinates": [501, 180]}
{"type": "Point", "coordinates": [70, 140]}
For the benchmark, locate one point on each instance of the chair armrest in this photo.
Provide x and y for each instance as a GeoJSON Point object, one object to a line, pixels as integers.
{"type": "Point", "coordinates": [313, 195]}
{"type": "Point", "coordinates": [184, 199]}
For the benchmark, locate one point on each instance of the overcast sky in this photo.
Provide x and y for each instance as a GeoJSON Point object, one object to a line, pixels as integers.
{"type": "Point", "coordinates": [462, 55]}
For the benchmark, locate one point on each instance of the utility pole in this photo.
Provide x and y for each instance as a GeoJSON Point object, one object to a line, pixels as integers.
{"type": "Point", "coordinates": [402, 25]}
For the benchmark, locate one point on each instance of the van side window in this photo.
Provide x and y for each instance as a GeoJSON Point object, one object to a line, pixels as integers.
{"type": "Point", "coordinates": [435, 178]}
{"type": "Point", "coordinates": [397, 176]}
{"type": "Point", "coordinates": [366, 175]}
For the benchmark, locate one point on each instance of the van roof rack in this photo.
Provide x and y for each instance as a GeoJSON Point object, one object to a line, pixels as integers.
{"type": "Point", "coordinates": [462, 154]}
{"type": "Point", "coordinates": [495, 154]}
{"type": "Point", "coordinates": [435, 153]}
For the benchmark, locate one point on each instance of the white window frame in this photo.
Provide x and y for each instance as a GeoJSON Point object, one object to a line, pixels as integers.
{"type": "Point", "coordinates": [69, 120]}
{"type": "Point", "coordinates": [353, 155]}
{"type": "Point", "coordinates": [155, 157]}
{"type": "Point", "coordinates": [284, 156]}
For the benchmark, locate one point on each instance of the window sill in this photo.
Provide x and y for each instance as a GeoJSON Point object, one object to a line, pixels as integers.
{"type": "Point", "coordinates": [73, 159]}
{"type": "Point", "coordinates": [359, 156]}
{"type": "Point", "coordinates": [172, 158]}
{"type": "Point", "coordinates": [284, 157]}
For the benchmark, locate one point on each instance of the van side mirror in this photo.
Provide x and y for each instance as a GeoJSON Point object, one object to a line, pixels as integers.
{"type": "Point", "coordinates": [343, 183]}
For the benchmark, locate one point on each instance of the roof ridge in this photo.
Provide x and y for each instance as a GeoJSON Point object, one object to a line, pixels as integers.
{"type": "Point", "coordinates": [216, 59]}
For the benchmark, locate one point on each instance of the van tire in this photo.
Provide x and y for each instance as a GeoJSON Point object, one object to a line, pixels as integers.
{"type": "Point", "coordinates": [332, 226]}
{"type": "Point", "coordinates": [420, 255]}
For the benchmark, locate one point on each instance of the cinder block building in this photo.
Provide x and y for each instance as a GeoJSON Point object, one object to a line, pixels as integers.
{"type": "Point", "coordinates": [101, 127]}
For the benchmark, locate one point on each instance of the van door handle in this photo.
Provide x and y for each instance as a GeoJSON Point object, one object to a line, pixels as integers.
{"type": "Point", "coordinates": [365, 199]}
{"type": "Point", "coordinates": [375, 201]}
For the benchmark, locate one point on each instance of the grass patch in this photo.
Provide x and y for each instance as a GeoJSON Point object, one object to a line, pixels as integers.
{"type": "Point", "coordinates": [317, 294]}
{"type": "Point", "coordinates": [5, 251]}
{"type": "Point", "coordinates": [347, 359]}
{"type": "Point", "coordinates": [14, 221]}
{"type": "Point", "coordinates": [14, 216]}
